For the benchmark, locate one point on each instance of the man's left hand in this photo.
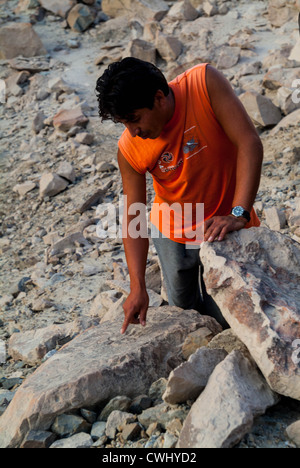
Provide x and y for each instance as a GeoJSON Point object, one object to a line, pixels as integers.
{"type": "Point", "coordinates": [217, 227]}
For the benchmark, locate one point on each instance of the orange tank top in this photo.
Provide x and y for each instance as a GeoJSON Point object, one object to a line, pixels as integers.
{"type": "Point", "coordinates": [192, 162]}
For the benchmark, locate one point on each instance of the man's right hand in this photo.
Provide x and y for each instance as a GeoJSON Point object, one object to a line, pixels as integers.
{"type": "Point", "coordinates": [135, 309]}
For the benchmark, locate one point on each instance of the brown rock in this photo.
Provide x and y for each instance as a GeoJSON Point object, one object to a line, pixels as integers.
{"type": "Point", "coordinates": [19, 39]}
{"type": "Point", "coordinates": [145, 9]}
{"type": "Point", "coordinates": [261, 109]}
{"type": "Point", "coordinates": [51, 185]}
{"type": "Point", "coordinates": [142, 50]}
{"type": "Point", "coordinates": [80, 17]}
{"type": "Point", "coordinates": [68, 118]}
{"type": "Point", "coordinates": [280, 12]}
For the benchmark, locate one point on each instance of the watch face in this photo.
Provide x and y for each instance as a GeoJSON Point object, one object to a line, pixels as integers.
{"type": "Point", "coordinates": [238, 211]}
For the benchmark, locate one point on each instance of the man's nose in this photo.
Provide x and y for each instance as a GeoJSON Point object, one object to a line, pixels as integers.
{"type": "Point", "coordinates": [134, 130]}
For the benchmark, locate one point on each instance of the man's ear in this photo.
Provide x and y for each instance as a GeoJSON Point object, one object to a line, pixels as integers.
{"type": "Point", "coordinates": [159, 97]}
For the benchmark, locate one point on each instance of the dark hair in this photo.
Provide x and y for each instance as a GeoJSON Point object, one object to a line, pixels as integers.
{"type": "Point", "coordinates": [126, 86]}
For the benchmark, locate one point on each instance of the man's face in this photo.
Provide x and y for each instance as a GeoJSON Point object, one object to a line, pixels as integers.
{"type": "Point", "coordinates": [145, 123]}
{"type": "Point", "coordinates": [149, 123]}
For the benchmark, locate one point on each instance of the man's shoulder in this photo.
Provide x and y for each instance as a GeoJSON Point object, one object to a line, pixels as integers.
{"type": "Point", "coordinates": [189, 73]}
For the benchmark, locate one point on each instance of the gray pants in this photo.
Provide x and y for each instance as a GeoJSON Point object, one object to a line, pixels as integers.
{"type": "Point", "coordinates": [183, 274]}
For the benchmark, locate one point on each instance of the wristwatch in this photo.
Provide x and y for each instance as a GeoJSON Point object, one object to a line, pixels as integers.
{"type": "Point", "coordinates": [238, 211]}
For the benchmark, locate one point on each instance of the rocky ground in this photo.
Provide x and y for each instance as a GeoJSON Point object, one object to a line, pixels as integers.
{"type": "Point", "coordinates": [44, 282]}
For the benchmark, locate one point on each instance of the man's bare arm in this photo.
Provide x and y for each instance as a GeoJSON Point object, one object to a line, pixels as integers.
{"type": "Point", "coordinates": [239, 128]}
{"type": "Point", "coordinates": [136, 249]}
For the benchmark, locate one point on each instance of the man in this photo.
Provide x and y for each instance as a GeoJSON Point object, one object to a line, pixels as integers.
{"type": "Point", "coordinates": [195, 138]}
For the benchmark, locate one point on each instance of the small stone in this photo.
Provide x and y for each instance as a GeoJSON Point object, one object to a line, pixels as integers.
{"type": "Point", "coordinates": [51, 185]}
{"type": "Point", "coordinates": [68, 424]}
{"type": "Point", "coordinates": [98, 430]}
{"type": "Point", "coordinates": [84, 138]}
{"type": "Point", "coordinates": [201, 337]}
{"type": "Point", "coordinates": [38, 122]}
{"type": "Point", "coordinates": [120, 403]}
{"type": "Point", "coordinates": [188, 380]}
{"type": "Point", "coordinates": [65, 119]}
{"type": "Point", "coordinates": [229, 57]}
{"type": "Point", "coordinates": [131, 431]}
{"type": "Point", "coordinates": [261, 109]}
{"type": "Point", "coordinates": [19, 39]}
{"type": "Point", "coordinates": [2, 352]}
{"type": "Point", "coordinates": [80, 440]}
{"type": "Point", "coordinates": [80, 17]}
{"type": "Point", "coordinates": [275, 218]}
{"type": "Point", "coordinates": [170, 440]}
{"type": "Point", "coordinates": [41, 304]}
{"type": "Point", "coordinates": [66, 171]}
{"type": "Point", "coordinates": [293, 432]}
{"type": "Point", "coordinates": [23, 189]}
{"type": "Point", "coordinates": [142, 50]}
{"type": "Point", "coordinates": [157, 389]}
{"type": "Point", "coordinates": [169, 47]}
{"type": "Point", "coordinates": [209, 8]}
{"type": "Point", "coordinates": [116, 421]}
{"type": "Point", "coordinates": [90, 416]}
{"type": "Point", "coordinates": [38, 439]}
{"type": "Point", "coordinates": [140, 403]}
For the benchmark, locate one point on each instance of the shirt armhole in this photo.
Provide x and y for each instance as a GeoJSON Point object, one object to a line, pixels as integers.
{"type": "Point", "coordinates": [129, 159]}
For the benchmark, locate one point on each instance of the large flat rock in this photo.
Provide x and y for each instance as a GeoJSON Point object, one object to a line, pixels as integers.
{"type": "Point", "coordinates": [254, 278]}
{"type": "Point", "coordinates": [98, 365]}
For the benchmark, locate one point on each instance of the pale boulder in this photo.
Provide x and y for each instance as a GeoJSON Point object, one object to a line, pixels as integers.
{"type": "Point", "coordinates": [95, 366]}
{"type": "Point", "coordinates": [253, 276]}
{"type": "Point", "coordinates": [224, 412]}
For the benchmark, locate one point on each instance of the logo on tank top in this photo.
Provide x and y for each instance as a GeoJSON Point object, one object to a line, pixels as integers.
{"type": "Point", "coordinates": [191, 143]}
{"type": "Point", "coordinates": [165, 162]}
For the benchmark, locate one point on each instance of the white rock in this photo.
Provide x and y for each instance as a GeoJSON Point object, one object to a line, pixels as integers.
{"type": "Point", "coordinates": [275, 218]}
{"type": "Point", "coordinates": [235, 394]}
{"type": "Point", "coordinates": [80, 440]}
{"type": "Point", "coordinates": [24, 188]}
{"type": "Point", "coordinates": [188, 380]}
